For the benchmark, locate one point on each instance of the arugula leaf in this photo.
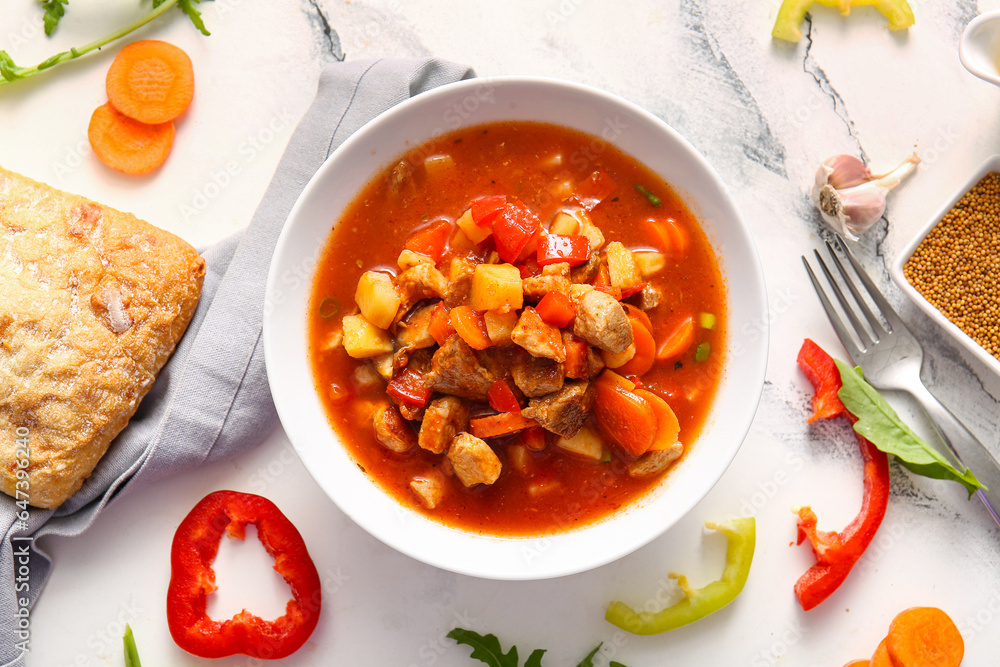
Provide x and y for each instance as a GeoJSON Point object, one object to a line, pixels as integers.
{"type": "Point", "coordinates": [188, 7]}
{"type": "Point", "coordinates": [53, 11]}
{"type": "Point", "coordinates": [878, 422]}
{"type": "Point", "coordinates": [486, 648]}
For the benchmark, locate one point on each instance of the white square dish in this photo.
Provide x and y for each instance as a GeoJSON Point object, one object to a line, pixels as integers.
{"type": "Point", "coordinates": [990, 165]}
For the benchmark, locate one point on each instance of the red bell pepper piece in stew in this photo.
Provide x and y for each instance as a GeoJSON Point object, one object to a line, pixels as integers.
{"type": "Point", "coordinates": [431, 240]}
{"type": "Point", "coordinates": [485, 209]}
{"type": "Point", "coordinates": [513, 228]}
{"type": "Point", "coordinates": [409, 387]}
{"type": "Point", "coordinates": [836, 553]}
{"type": "Point", "coordinates": [594, 189]}
{"type": "Point", "coordinates": [192, 579]}
{"type": "Point", "coordinates": [554, 248]}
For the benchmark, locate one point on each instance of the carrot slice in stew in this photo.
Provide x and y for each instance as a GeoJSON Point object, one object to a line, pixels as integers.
{"type": "Point", "coordinates": [624, 417]}
{"type": "Point", "coordinates": [501, 424]}
{"type": "Point", "coordinates": [576, 366]}
{"type": "Point", "coordinates": [151, 81]}
{"type": "Point", "coordinates": [533, 438]}
{"type": "Point", "coordinates": [677, 341]}
{"type": "Point", "coordinates": [431, 240]}
{"type": "Point", "coordinates": [645, 350]}
{"type": "Point", "coordinates": [640, 314]}
{"type": "Point", "coordinates": [470, 325]}
{"type": "Point", "coordinates": [440, 327]}
{"type": "Point", "coordinates": [127, 145]}
{"type": "Point", "coordinates": [667, 426]}
{"type": "Point", "coordinates": [670, 236]}
{"type": "Point", "coordinates": [924, 637]}
{"type": "Point", "coordinates": [556, 309]}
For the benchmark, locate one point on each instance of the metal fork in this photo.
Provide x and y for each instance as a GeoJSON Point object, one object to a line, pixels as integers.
{"type": "Point", "coordinates": [891, 358]}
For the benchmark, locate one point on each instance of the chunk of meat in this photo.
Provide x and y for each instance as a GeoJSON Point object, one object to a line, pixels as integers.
{"type": "Point", "coordinates": [459, 370]}
{"type": "Point", "coordinates": [412, 333]}
{"type": "Point", "coordinates": [602, 322]}
{"type": "Point", "coordinates": [536, 376]}
{"type": "Point", "coordinates": [554, 278]}
{"type": "Point", "coordinates": [460, 273]}
{"type": "Point", "coordinates": [413, 413]}
{"type": "Point", "coordinates": [429, 488]}
{"type": "Point", "coordinates": [563, 412]}
{"type": "Point", "coordinates": [595, 362]}
{"type": "Point", "coordinates": [401, 178]}
{"type": "Point", "coordinates": [539, 338]}
{"type": "Point", "coordinates": [473, 460]}
{"type": "Point", "coordinates": [656, 461]}
{"type": "Point", "coordinates": [422, 281]}
{"type": "Point", "coordinates": [649, 297]}
{"type": "Point", "coordinates": [443, 418]}
{"type": "Point", "coordinates": [586, 272]}
{"type": "Point", "coordinates": [392, 430]}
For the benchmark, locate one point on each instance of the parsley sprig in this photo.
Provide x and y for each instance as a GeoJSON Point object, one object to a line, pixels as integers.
{"type": "Point", "coordinates": [54, 10]}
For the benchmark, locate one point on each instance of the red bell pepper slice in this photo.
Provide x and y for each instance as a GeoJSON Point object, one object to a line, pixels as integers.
{"type": "Point", "coordinates": [409, 387]}
{"type": "Point", "coordinates": [594, 189]}
{"type": "Point", "coordinates": [195, 545]}
{"type": "Point", "coordinates": [485, 209]}
{"type": "Point", "coordinates": [431, 240]}
{"type": "Point", "coordinates": [837, 553]}
{"type": "Point", "coordinates": [502, 397]}
{"type": "Point", "coordinates": [513, 228]}
{"type": "Point", "coordinates": [634, 289]}
{"type": "Point", "coordinates": [554, 248]}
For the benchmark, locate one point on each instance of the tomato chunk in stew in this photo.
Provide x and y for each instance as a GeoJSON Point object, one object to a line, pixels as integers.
{"type": "Point", "coordinates": [521, 340]}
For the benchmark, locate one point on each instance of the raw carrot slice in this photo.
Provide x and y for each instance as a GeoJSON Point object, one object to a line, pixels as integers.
{"type": "Point", "coordinates": [645, 350]}
{"type": "Point", "coordinates": [924, 637]}
{"type": "Point", "coordinates": [151, 81]}
{"type": "Point", "coordinates": [859, 663]}
{"type": "Point", "coordinates": [678, 340]}
{"type": "Point", "coordinates": [881, 656]}
{"type": "Point", "coordinates": [127, 145]}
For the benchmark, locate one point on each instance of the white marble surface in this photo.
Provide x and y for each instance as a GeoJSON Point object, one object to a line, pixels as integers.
{"type": "Point", "coordinates": [764, 114]}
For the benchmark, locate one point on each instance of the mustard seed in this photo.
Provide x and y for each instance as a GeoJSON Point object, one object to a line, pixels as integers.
{"type": "Point", "coordinates": [957, 266]}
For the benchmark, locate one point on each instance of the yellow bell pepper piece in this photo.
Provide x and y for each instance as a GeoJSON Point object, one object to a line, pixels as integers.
{"type": "Point", "coordinates": [793, 12]}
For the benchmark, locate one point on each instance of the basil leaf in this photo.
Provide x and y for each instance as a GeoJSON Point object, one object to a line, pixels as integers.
{"type": "Point", "coordinates": [880, 424]}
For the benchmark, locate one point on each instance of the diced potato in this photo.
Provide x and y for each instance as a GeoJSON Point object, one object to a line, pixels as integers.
{"type": "Point", "coordinates": [378, 298]}
{"type": "Point", "coordinates": [519, 458]}
{"type": "Point", "coordinates": [500, 325]}
{"type": "Point", "coordinates": [618, 359]}
{"type": "Point", "coordinates": [564, 224]}
{"type": "Point", "coordinates": [576, 291]}
{"type": "Point", "coordinates": [585, 443]}
{"type": "Point", "coordinates": [496, 287]}
{"type": "Point", "coordinates": [594, 235]}
{"type": "Point", "coordinates": [472, 231]}
{"type": "Point", "coordinates": [438, 165]}
{"type": "Point", "coordinates": [363, 340]}
{"type": "Point", "coordinates": [649, 262]}
{"type": "Point", "coordinates": [407, 258]}
{"type": "Point", "coordinates": [622, 268]}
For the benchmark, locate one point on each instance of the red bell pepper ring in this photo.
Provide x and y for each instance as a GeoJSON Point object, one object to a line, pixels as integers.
{"type": "Point", "coordinates": [485, 209]}
{"type": "Point", "coordinates": [195, 545]}
{"type": "Point", "coordinates": [837, 553]}
{"type": "Point", "coordinates": [554, 249]}
{"type": "Point", "coordinates": [513, 228]}
{"type": "Point", "coordinates": [594, 189]}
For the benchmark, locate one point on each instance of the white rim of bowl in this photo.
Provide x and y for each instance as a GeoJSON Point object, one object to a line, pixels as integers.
{"type": "Point", "coordinates": [512, 547]}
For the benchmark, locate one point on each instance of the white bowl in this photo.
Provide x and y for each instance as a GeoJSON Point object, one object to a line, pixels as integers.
{"type": "Point", "coordinates": [335, 185]}
{"type": "Point", "coordinates": [896, 272]}
{"type": "Point", "coordinates": [979, 47]}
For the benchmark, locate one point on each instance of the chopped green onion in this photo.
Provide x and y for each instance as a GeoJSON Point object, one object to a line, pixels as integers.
{"type": "Point", "coordinates": [328, 307]}
{"type": "Point", "coordinates": [131, 653]}
{"type": "Point", "coordinates": [653, 199]}
{"type": "Point", "coordinates": [606, 455]}
{"type": "Point", "coordinates": [707, 320]}
{"type": "Point", "coordinates": [702, 351]}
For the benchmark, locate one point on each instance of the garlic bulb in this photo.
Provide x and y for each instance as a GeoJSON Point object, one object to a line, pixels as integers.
{"type": "Point", "coordinates": [850, 198]}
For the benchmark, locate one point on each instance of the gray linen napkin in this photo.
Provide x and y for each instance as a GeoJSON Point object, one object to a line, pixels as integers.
{"type": "Point", "coordinates": [211, 400]}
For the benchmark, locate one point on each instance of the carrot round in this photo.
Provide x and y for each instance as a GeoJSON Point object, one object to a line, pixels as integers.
{"type": "Point", "coordinates": [881, 656]}
{"type": "Point", "coordinates": [624, 417]}
{"type": "Point", "coordinates": [471, 327]}
{"type": "Point", "coordinates": [924, 637]}
{"type": "Point", "coordinates": [127, 145]}
{"type": "Point", "coordinates": [667, 426]}
{"type": "Point", "coordinates": [151, 81]}
{"type": "Point", "coordinates": [645, 350]}
{"type": "Point", "coordinates": [858, 663]}
{"type": "Point", "coordinates": [678, 340]}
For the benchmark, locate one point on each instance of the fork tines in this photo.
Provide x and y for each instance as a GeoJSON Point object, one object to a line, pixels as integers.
{"type": "Point", "coordinates": [863, 337]}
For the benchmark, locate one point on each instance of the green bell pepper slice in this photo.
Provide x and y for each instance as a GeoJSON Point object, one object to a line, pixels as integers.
{"type": "Point", "coordinates": [741, 536]}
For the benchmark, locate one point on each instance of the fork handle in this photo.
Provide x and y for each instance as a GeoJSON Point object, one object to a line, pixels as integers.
{"type": "Point", "coordinates": [969, 450]}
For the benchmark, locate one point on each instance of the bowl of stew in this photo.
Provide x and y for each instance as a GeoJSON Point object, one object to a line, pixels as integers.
{"type": "Point", "coordinates": [515, 327]}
